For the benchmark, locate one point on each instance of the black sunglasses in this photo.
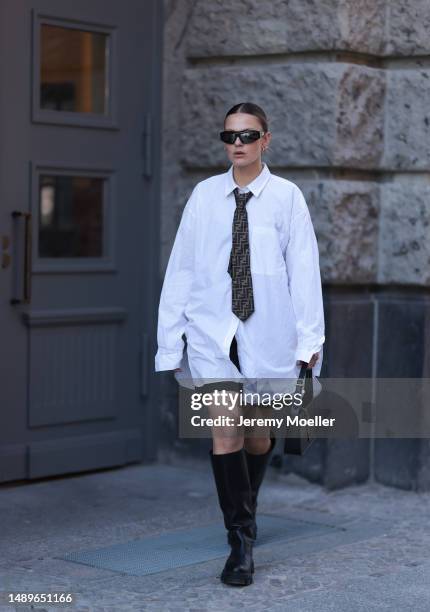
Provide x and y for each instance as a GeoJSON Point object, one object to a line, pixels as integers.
{"type": "Point", "coordinates": [245, 136]}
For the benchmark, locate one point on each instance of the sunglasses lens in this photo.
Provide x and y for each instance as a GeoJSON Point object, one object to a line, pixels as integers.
{"type": "Point", "coordinates": [227, 137]}
{"type": "Point", "coordinates": [250, 136]}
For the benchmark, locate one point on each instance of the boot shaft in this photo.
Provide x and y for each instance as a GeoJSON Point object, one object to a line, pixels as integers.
{"type": "Point", "coordinates": [234, 488]}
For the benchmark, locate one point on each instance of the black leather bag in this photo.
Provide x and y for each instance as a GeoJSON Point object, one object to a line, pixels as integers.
{"type": "Point", "coordinates": [298, 439]}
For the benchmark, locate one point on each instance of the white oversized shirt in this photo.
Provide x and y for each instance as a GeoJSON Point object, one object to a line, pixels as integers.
{"type": "Point", "coordinates": [196, 298]}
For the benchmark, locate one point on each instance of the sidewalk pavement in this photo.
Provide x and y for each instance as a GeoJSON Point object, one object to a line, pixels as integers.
{"type": "Point", "coordinates": [42, 520]}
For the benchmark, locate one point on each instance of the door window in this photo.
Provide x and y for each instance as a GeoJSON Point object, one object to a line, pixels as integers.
{"type": "Point", "coordinates": [72, 210]}
{"type": "Point", "coordinates": [70, 216]}
{"type": "Point", "coordinates": [73, 72]}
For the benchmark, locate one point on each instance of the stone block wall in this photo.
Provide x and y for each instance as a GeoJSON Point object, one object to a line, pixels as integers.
{"type": "Point", "coordinates": [346, 87]}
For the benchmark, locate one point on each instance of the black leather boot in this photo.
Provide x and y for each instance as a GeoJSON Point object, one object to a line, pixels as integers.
{"type": "Point", "coordinates": [257, 465]}
{"type": "Point", "coordinates": [235, 499]}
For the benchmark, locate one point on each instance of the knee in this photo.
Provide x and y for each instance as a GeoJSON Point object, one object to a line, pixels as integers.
{"type": "Point", "coordinates": [257, 446]}
{"type": "Point", "coordinates": [226, 445]}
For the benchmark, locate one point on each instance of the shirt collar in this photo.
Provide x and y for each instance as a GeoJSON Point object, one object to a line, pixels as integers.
{"type": "Point", "coordinates": [255, 186]}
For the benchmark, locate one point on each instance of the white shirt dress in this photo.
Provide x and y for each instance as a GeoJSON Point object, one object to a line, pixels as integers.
{"type": "Point", "coordinates": [196, 298]}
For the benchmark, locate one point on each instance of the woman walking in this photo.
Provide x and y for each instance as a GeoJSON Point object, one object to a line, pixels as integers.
{"type": "Point", "coordinates": [243, 284]}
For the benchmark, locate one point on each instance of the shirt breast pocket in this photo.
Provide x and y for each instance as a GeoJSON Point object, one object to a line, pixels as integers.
{"type": "Point", "coordinates": [266, 253]}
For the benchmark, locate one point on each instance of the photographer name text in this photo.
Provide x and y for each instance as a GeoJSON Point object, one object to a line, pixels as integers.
{"type": "Point", "coordinates": [290, 421]}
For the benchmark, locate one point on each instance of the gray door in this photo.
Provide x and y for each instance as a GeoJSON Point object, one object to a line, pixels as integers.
{"type": "Point", "coordinates": [78, 84]}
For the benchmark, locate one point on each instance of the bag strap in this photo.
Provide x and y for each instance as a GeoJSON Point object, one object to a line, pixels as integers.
{"type": "Point", "coordinates": [304, 373]}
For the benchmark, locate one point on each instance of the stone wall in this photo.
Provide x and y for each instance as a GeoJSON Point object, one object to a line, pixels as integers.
{"type": "Point", "coordinates": [346, 86]}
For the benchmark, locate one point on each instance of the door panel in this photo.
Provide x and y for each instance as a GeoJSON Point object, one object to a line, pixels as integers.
{"type": "Point", "coordinates": [77, 273]}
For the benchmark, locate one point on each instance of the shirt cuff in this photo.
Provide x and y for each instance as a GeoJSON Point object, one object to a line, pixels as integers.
{"type": "Point", "coordinates": [169, 360]}
{"type": "Point", "coordinates": [305, 354]}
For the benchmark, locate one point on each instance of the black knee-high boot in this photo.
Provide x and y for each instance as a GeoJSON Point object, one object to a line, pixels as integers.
{"type": "Point", "coordinates": [257, 465]}
{"type": "Point", "coordinates": [235, 499]}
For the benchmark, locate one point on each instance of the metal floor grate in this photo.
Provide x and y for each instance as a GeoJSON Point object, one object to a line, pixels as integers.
{"type": "Point", "coordinates": [189, 546]}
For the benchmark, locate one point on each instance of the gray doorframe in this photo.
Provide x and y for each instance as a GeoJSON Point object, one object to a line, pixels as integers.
{"type": "Point", "coordinates": [151, 146]}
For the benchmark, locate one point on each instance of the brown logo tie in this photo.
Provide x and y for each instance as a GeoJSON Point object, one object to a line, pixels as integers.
{"type": "Point", "coordinates": [239, 266]}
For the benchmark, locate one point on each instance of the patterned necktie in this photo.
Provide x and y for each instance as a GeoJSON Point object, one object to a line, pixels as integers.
{"type": "Point", "coordinates": [239, 265]}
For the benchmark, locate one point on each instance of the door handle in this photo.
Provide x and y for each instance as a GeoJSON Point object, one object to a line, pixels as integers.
{"type": "Point", "coordinates": [27, 259]}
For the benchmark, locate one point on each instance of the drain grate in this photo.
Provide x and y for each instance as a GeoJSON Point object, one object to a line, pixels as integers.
{"type": "Point", "coordinates": [186, 547]}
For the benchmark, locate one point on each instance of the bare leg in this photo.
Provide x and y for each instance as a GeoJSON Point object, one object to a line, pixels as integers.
{"type": "Point", "coordinates": [228, 438]}
{"type": "Point", "coordinates": [257, 439]}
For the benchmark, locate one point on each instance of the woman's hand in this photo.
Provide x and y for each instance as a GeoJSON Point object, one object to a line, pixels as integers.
{"type": "Point", "coordinates": [312, 362]}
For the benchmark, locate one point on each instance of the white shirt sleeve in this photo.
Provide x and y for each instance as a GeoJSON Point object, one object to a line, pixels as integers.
{"type": "Point", "coordinates": [175, 292]}
{"type": "Point", "coordinates": [302, 259]}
